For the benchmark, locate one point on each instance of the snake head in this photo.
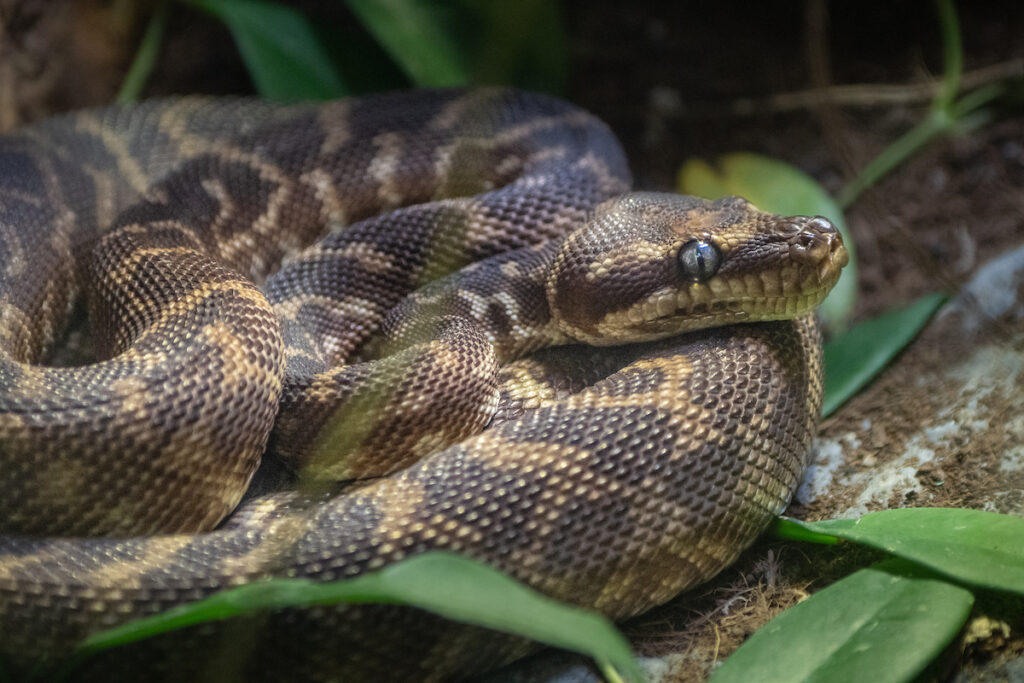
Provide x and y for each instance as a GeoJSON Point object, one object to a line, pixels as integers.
{"type": "Point", "coordinates": [649, 265]}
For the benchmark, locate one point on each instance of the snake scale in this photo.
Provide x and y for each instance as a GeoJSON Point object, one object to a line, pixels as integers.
{"type": "Point", "coordinates": [386, 298]}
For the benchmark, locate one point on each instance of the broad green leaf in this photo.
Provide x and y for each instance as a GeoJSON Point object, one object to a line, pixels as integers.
{"type": "Point", "coordinates": [280, 49]}
{"type": "Point", "coordinates": [855, 357]}
{"type": "Point", "coordinates": [452, 586]}
{"type": "Point", "coordinates": [885, 623]}
{"type": "Point", "coordinates": [775, 186]}
{"type": "Point", "coordinates": [414, 37]}
{"type": "Point", "coordinates": [982, 549]}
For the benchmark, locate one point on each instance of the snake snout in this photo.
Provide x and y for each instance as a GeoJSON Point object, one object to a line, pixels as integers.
{"type": "Point", "coordinates": [816, 240]}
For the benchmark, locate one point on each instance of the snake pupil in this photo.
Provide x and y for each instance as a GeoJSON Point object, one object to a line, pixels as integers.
{"type": "Point", "coordinates": [699, 260]}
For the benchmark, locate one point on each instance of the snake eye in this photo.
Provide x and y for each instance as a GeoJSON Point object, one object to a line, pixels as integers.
{"type": "Point", "coordinates": [699, 260]}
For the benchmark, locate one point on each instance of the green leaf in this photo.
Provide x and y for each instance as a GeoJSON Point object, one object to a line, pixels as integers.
{"type": "Point", "coordinates": [517, 41]}
{"type": "Point", "coordinates": [794, 530]}
{"type": "Point", "coordinates": [280, 49]}
{"type": "Point", "coordinates": [145, 57]}
{"type": "Point", "coordinates": [775, 186]}
{"type": "Point", "coordinates": [415, 38]}
{"type": "Point", "coordinates": [452, 586]}
{"type": "Point", "coordinates": [885, 623]}
{"type": "Point", "coordinates": [982, 549]}
{"type": "Point", "coordinates": [856, 356]}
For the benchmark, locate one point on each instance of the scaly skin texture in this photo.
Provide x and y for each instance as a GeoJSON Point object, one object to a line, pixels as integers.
{"type": "Point", "coordinates": [343, 282]}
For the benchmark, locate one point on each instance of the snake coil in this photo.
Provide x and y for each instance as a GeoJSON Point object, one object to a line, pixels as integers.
{"type": "Point", "coordinates": [352, 292]}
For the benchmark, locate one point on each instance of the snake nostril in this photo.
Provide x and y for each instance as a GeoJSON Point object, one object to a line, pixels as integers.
{"type": "Point", "coordinates": [791, 228]}
{"type": "Point", "coordinates": [816, 239]}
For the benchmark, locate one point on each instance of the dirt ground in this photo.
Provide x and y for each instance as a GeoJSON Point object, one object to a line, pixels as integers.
{"type": "Point", "coordinates": [693, 80]}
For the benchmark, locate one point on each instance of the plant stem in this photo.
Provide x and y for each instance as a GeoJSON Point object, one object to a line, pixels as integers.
{"type": "Point", "coordinates": [952, 54]}
{"type": "Point", "coordinates": [893, 155]}
{"type": "Point", "coordinates": [609, 673]}
{"type": "Point", "coordinates": [146, 55]}
{"type": "Point", "coordinates": [946, 111]}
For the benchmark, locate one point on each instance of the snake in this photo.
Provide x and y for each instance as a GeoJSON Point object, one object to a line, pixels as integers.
{"type": "Point", "coordinates": [327, 337]}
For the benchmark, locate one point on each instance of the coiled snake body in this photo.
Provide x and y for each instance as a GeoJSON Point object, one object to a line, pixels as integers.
{"type": "Point", "coordinates": [352, 283]}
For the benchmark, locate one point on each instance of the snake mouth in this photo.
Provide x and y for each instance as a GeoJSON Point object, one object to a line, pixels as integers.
{"type": "Point", "coordinates": [698, 316]}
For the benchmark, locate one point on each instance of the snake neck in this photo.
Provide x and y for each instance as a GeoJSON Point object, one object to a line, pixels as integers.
{"type": "Point", "coordinates": [503, 298]}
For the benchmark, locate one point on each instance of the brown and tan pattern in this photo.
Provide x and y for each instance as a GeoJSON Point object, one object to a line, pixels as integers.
{"type": "Point", "coordinates": [345, 289]}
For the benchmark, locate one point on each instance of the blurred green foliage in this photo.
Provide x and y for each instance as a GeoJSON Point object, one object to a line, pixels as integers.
{"type": "Point", "coordinates": [388, 44]}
